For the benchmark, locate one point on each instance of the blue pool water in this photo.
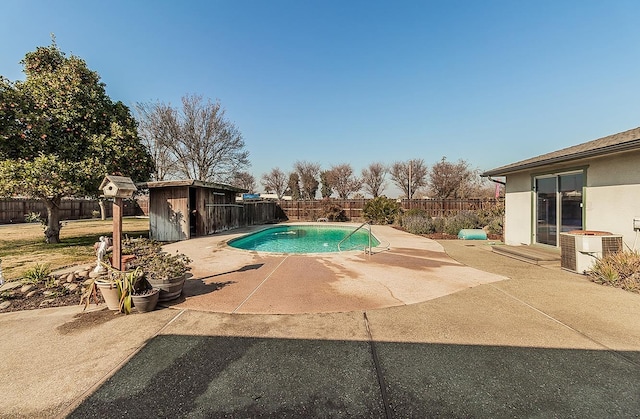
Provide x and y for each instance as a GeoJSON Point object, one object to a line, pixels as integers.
{"type": "Point", "coordinates": [304, 239]}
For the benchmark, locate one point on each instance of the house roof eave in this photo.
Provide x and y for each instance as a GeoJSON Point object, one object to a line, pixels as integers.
{"type": "Point", "coordinates": [541, 161]}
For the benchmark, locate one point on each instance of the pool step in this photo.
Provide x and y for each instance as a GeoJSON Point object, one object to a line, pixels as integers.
{"type": "Point", "coordinates": [529, 254]}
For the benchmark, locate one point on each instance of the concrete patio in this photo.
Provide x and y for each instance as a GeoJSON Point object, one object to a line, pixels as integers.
{"type": "Point", "coordinates": [544, 343]}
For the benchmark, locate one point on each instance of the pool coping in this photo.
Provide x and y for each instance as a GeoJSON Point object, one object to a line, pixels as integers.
{"type": "Point", "coordinates": [300, 223]}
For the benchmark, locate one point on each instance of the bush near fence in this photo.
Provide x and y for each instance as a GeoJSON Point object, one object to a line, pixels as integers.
{"type": "Point", "coordinates": [15, 210]}
{"type": "Point", "coordinates": [435, 208]}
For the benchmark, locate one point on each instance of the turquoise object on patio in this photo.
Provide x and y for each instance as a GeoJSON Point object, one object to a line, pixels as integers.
{"type": "Point", "coordinates": [472, 234]}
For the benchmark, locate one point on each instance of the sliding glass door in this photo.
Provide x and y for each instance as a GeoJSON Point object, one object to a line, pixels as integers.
{"type": "Point", "coordinates": [558, 206]}
{"type": "Point", "coordinates": [547, 226]}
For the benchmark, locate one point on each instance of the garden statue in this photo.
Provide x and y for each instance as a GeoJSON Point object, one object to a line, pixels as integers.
{"type": "Point", "coordinates": [101, 250]}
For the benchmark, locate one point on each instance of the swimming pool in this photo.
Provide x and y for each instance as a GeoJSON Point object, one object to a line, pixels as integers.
{"type": "Point", "coordinates": [305, 239]}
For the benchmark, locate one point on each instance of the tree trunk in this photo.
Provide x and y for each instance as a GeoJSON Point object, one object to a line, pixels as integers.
{"type": "Point", "coordinates": [103, 210]}
{"type": "Point", "coordinates": [52, 231]}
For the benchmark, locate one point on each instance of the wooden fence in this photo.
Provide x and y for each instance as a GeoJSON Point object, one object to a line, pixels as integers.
{"type": "Point", "coordinates": [15, 210]}
{"type": "Point", "coordinates": [312, 210]}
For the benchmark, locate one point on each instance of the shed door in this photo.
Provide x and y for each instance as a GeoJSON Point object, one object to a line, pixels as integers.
{"type": "Point", "coordinates": [193, 213]}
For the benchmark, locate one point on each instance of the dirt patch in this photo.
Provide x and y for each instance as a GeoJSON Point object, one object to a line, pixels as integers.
{"type": "Point", "coordinates": [40, 296]}
{"type": "Point", "coordinates": [87, 320]}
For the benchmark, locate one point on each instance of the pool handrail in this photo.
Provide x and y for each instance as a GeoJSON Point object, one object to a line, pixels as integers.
{"type": "Point", "coordinates": [353, 232]}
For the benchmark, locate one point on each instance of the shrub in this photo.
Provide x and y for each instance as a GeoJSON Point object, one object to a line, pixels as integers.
{"type": "Point", "coordinates": [417, 221]}
{"type": "Point", "coordinates": [492, 217]}
{"type": "Point", "coordinates": [332, 211]}
{"type": "Point", "coordinates": [33, 217]}
{"type": "Point", "coordinates": [381, 210]}
{"type": "Point", "coordinates": [37, 273]}
{"type": "Point", "coordinates": [462, 220]}
{"type": "Point", "coordinates": [494, 226]}
{"type": "Point", "coordinates": [621, 270]}
{"type": "Point", "coordinates": [416, 212]}
{"type": "Point", "coordinates": [95, 214]}
{"type": "Point", "coordinates": [439, 224]}
{"type": "Point", "coordinates": [418, 225]}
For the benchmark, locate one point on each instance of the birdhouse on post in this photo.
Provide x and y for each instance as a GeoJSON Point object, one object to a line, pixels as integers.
{"type": "Point", "coordinates": [117, 187]}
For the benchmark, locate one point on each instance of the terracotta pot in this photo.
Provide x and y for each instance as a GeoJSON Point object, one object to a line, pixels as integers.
{"type": "Point", "coordinates": [147, 302]}
{"type": "Point", "coordinates": [110, 294]}
{"type": "Point", "coordinates": [171, 288]}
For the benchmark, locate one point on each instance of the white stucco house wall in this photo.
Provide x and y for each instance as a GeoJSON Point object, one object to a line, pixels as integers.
{"type": "Point", "coordinates": [590, 186]}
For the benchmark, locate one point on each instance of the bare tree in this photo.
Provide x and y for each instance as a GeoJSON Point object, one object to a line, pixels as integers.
{"type": "Point", "coordinates": [373, 179]}
{"type": "Point", "coordinates": [344, 181]}
{"type": "Point", "coordinates": [308, 173]}
{"type": "Point", "coordinates": [244, 180]}
{"type": "Point", "coordinates": [409, 176]}
{"type": "Point", "coordinates": [155, 137]}
{"type": "Point", "coordinates": [453, 180]}
{"type": "Point", "coordinates": [205, 145]}
{"type": "Point", "coordinates": [275, 181]}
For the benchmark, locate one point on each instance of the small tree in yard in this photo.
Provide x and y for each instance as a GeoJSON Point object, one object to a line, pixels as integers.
{"type": "Point", "coordinates": [60, 134]}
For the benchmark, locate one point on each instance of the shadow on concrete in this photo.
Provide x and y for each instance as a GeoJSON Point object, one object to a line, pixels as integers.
{"type": "Point", "coordinates": [199, 286]}
{"type": "Point", "coordinates": [215, 376]}
{"type": "Point", "coordinates": [242, 269]}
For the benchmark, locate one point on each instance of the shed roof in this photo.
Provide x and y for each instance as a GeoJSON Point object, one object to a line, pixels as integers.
{"type": "Point", "coordinates": [622, 141]}
{"type": "Point", "coordinates": [189, 182]}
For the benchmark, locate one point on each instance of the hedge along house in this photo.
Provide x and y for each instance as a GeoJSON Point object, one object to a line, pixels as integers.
{"type": "Point", "coordinates": [590, 186]}
{"type": "Point", "coordinates": [183, 209]}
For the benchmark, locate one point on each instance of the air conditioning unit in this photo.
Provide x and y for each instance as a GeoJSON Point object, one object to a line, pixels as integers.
{"type": "Point", "coordinates": [579, 249]}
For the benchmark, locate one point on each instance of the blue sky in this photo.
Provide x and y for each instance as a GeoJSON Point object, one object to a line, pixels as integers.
{"type": "Point", "coordinates": [491, 82]}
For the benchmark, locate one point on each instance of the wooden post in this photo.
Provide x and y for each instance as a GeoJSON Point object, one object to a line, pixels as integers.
{"type": "Point", "coordinates": [117, 234]}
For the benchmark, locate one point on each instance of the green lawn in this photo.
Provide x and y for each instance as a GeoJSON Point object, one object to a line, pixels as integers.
{"type": "Point", "coordinates": [23, 246]}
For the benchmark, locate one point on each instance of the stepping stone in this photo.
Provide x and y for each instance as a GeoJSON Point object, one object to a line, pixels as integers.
{"type": "Point", "coordinates": [10, 286]}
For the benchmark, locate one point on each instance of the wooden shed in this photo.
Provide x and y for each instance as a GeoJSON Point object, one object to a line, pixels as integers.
{"type": "Point", "coordinates": [182, 209]}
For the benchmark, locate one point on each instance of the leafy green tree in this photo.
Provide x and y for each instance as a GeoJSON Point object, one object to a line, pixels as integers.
{"type": "Point", "coordinates": [60, 134]}
{"type": "Point", "coordinates": [381, 210]}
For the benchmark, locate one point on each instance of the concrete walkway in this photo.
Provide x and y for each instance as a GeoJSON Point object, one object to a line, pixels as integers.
{"type": "Point", "coordinates": [544, 343]}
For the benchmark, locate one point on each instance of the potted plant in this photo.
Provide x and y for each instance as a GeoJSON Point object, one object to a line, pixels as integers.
{"type": "Point", "coordinates": [122, 290]}
{"type": "Point", "coordinates": [144, 296]}
{"type": "Point", "coordinates": [166, 272]}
